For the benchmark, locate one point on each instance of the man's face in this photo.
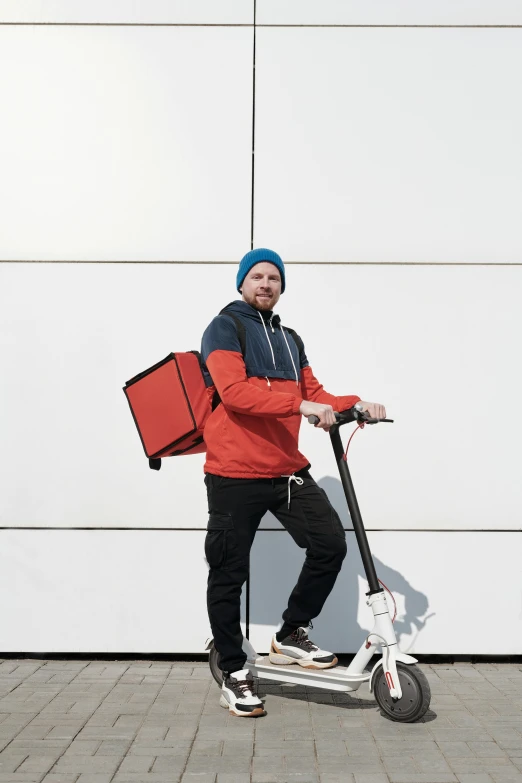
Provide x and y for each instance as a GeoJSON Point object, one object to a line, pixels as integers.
{"type": "Point", "coordinates": [261, 287]}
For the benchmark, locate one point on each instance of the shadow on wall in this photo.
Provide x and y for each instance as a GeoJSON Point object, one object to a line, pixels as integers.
{"type": "Point", "coordinates": [274, 567]}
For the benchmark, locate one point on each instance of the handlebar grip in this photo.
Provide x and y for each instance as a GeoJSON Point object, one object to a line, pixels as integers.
{"type": "Point", "coordinates": [312, 419]}
{"type": "Point", "coordinates": [353, 414]}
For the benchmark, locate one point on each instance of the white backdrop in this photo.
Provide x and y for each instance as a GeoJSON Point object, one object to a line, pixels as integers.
{"type": "Point", "coordinates": [387, 171]}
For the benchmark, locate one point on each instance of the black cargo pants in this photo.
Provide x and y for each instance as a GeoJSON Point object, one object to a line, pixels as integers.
{"type": "Point", "coordinates": [236, 507]}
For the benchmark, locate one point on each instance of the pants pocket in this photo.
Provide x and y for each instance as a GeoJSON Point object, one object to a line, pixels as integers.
{"type": "Point", "coordinates": [337, 525]}
{"type": "Point", "coordinates": [335, 520]}
{"type": "Point", "coordinates": [220, 539]}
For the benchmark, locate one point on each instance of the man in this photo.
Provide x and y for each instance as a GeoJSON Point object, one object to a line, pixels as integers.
{"type": "Point", "coordinates": [253, 465]}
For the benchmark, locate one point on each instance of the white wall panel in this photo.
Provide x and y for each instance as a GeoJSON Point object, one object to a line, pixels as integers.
{"type": "Point", "coordinates": [144, 591]}
{"type": "Point", "coordinates": [456, 593]}
{"type": "Point", "coordinates": [389, 145]}
{"type": "Point", "coordinates": [103, 591]}
{"type": "Point", "coordinates": [123, 11]}
{"type": "Point", "coordinates": [434, 344]}
{"type": "Point", "coordinates": [128, 143]}
{"type": "Point", "coordinates": [389, 12]}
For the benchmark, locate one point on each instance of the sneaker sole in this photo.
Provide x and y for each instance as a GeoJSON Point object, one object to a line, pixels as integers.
{"type": "Point", "coordinates": [284, 660]}
{"type": "Point", "coordinates": [257, 713]}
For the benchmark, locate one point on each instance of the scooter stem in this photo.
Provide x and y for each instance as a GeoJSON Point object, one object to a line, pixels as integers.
{"type": "Point", "coordinates": [358, 526]}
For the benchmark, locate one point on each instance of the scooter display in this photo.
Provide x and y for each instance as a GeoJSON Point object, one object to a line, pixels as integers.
{"type": "Point", "coordinates": [399, 687]}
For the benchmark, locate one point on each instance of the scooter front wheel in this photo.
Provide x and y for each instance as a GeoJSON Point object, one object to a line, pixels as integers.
{"type": "Point", "coordinates": [213, 662]}
{"type": "Point", "coordinates": [416, 694]}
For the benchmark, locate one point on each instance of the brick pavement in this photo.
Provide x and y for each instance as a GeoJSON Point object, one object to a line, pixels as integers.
{"type": "Point", "coordinates": [151, 722]}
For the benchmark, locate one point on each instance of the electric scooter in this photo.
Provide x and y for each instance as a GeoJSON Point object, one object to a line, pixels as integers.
{"type": "Point", "coordinates": [400, 688]}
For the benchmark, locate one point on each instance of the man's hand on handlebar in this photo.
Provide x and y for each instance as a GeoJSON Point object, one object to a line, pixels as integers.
{"type": "Point", "coordinates": [325, 413]}
{"type": "Point", "coordinates": [374, 409]}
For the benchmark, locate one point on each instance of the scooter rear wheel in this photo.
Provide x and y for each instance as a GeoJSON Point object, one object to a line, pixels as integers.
{"type": "Point", "coordinates": [416, 694]}
{"type": "Point", "coordinates": [213, 662]}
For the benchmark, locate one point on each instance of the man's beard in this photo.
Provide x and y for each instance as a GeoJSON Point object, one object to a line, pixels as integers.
{"type": "Point", "coordinates": [261, 304]}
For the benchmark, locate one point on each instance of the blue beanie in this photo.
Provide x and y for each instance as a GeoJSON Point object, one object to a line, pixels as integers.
{"type": "Point", "coordinates": [255, 257]}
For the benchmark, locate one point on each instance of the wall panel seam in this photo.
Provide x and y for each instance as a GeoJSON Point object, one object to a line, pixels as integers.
{"type": "Point", "coordinates": [126, 24]}
{"type": "Point", "coordinates": [250, 24]}
{"type": "Point", "coordinates": [287, 263]}
{"type": "Point", "coordinates": [261, 529]}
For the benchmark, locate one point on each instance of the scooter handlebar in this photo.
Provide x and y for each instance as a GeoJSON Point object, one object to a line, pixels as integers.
{"type": "Point", "coordinates": [352, 414]}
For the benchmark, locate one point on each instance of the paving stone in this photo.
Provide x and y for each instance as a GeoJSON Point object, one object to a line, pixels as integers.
{"type": "Point", "coordinates": [164, 764]}
{"type": "Point", "coordinates": [83, 748]}
{"type": "Point", "coordinates": [352, 766]}
{"type": "Point", "coordinates": [486, 749]}
{"type": "Point", "coordinates": [238, 748]}
{"type": "Point", "coordinates": [91, 764]}
{"type": "Point", "coordinates": [482, 764]}
{"type": "Point", "coordinates": [425, 747]}
{"type": "Point", "coordinates": [403, 763]}
{"type": "Point", "coordinates": [478, 778]}
{"type": "Point", "coordinates": [137, 764]}
{"type": "Point", "coordinates": [507, 776]}
{"type": "Point", "coordinates": [433, 765]}
{"type": "Point", "coordinates": [459, 735]}
{"type": "Point", "coordinates": [298, 765]}
{"type": "Point", "coordinates": [456, 749]}
{"type": "Point", "coordinates": [20, 777]}
{"type": "Point", "coordinates": [113, 748]}
{"type": "Point", "coordinates": [332, 777]}
{"type": "Point", "coordinates": [422, 778]}
{"type": "Point", "coordinates": [207, 747]}
{"type": "Point", "coordinates": [145, 750]}
{"type": "Point", "coordinates": [37, 763]}
{"type": "Point", "coordinates": [11, 760]}
{"type": "Point", "coordinates": [87, 778]}
{"type": "Point", "coordinates": [142, 777]}
{"type": "Point", "coordinates": [224, 777]}
{"type": "Point", "coordinates": [366, 748]}
{"type": "Point", "coordinates": [211, 764]}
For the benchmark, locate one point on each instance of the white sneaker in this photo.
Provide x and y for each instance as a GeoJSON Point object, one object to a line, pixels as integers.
{"type": "Point", "coordinates": [237, 693]}
{"type": "Point", "coordinates": [297, 648]}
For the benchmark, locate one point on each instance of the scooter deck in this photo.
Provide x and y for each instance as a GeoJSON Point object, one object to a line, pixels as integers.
{"type": "Point", "coordinates": [335, 679]}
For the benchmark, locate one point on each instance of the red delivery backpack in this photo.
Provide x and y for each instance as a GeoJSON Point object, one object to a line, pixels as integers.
{"type": "Point", "coordinates": [170, 403]}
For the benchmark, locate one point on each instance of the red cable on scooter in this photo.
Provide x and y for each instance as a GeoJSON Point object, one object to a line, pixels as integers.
{"type": "Point", "coordinates": [359, 427]}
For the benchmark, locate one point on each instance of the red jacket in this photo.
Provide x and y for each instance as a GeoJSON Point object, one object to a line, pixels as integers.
{"type": "Point", "coordinates": [254, 432]}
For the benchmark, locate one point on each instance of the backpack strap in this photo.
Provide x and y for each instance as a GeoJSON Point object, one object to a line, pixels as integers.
{"type": "Point", "coordinates": [241, 336]}
{"type": "Point", "coordinates": [297, 339]}
{"type": "Point", "coordinates": [240, 328]}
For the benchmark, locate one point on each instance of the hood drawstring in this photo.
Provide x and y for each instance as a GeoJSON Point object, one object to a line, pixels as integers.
{"type": "Point", "coordinates": [298, 480]}
{"type": "Point", "coordinates": [268, 339]}
{"type": "Point", "coordinates": [272, 350]}
{"type": "Point", "coordinates": [291, 357]}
